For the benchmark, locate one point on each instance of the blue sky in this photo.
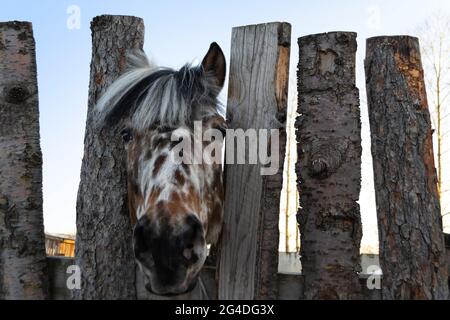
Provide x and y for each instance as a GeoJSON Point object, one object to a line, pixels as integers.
{"type": "Point", "coordinates": [177, 32]}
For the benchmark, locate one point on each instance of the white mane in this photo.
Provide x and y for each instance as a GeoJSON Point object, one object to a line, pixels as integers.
{"type": "Point", "coordinates": [153, 96]}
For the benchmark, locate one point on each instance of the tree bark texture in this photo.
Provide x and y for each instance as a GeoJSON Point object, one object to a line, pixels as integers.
{"type": "Point", "coordinates": [412, 250]}
{"type": "Point", "coordinates": [329, 166]}
{"type": "Point", "coordinates": [23, 269]}
{"type": "Point", "coordinates": [104, 233]}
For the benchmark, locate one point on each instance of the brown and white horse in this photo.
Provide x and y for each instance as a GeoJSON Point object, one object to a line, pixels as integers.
{"type": "Point", "coordinates": [176, 207]}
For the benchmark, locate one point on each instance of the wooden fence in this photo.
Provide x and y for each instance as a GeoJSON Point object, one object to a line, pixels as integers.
{"type": "Point", "coordinates": [290, 286]}
{"type": "Point", "coordinates": [60, 245]}
{"type": "Point", "coordinates": [412, 247]}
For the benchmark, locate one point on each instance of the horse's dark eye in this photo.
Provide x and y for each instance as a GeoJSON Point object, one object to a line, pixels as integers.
{"type": "Point", "coordinates": [126, 135]}
{"type": "Point", "coordinates": [223, 130]}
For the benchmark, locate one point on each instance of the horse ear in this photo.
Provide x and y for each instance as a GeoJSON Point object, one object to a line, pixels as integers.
{"type": "Point", "coordinates": [214, 64]}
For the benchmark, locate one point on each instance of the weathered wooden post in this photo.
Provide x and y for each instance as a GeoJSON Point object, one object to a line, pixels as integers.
{"type": "Point", "coordinates": [103, 249]}
{"type": "Point", "coordinates": [412, 251]}
{"type": "Point", "coordinates": [329, 166]}
{"type": "Point", "coordinates": [257, 99]}
{"type": "Point", "coordinates": [23, 269]}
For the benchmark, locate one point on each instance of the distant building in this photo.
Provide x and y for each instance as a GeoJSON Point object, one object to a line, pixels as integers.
{"type": "Point", "coordinates": [60, 245]}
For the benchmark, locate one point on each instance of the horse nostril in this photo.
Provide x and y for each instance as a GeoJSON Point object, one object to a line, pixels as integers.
{"type": "Point", "coordinates": [149, 288]}
{"type": "Point", "coordinates": [187, 253]}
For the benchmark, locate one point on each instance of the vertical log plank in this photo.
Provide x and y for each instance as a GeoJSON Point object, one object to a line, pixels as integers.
{"type": "Point", "coordinates": [104, 245]}
{"type": "Point", "coordinates": [257, 99]}
{"type": "Point", "coordinates": [329, 166]}
{"type": "Point", "coordinates": [412, 250]}
{"type": "Point", "coordinates": [23, 268]}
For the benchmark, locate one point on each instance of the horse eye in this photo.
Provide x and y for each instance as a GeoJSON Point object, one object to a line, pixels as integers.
{"type": "Point", "coordinates": [126, 135]}
{"type": "Point", "coordinates": [223, 130]}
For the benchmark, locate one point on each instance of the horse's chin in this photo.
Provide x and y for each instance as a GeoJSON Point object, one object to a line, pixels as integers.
{"type": "Point", "coordinates": [172, 292]}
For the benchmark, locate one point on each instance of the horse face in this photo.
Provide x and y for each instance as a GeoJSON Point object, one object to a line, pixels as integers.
{"type": "Point", "coordinates": [176, 208]}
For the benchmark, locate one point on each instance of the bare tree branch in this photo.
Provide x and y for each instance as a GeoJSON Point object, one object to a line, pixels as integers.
{"type": "Point", "coordinates": [435, 48]}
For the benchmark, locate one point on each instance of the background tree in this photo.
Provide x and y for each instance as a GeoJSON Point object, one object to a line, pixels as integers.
{"type": "Point", "coordinates": [435, 48]}
{"type": "Point", "coordinates": [289, 232]}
